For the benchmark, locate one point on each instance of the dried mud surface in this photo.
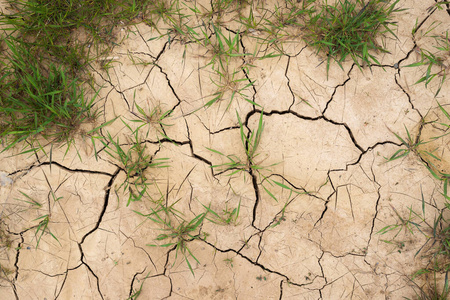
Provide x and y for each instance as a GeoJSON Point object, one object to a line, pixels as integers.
{"type": "Point", "coordinates": [328, 137]}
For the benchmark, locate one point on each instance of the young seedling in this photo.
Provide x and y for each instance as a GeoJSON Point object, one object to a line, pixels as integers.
{"type": "Point", "coordinates": [155, 117]}
{"type": "Point", "coordinates": [438, 63]}
{"type": "Point", "coordinates": [179, 232]}
{"type": "Point", "coordinates": [433, 291]}
{"type": "Point", "coordinates": [412, 146]}
{"type": "Point", "coordinates": [227, 216]}
{"type": "Point", "coordinates": [407, 224]}
{"type": "Point", "coordinates": [134, 162]}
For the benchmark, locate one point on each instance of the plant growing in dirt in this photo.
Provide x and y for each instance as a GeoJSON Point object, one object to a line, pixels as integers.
{"type": "Point", "coordinates": [155, 117]}
{"type": "Point", "coordinates": [44, 220]}
{"type": "Point", "coordinates": [350, 28]}
{"type": "Point", "coordinates": [437, 62]}
{"type": "Point", "coordinates": [134, 160]}
{"type": "Point", "coordinates": [250, 165]}
{"type": "Point", "coordinates": [178, 231]}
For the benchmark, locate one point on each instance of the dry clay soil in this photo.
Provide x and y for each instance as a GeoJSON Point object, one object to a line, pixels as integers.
{"type": "Point", "coordinates": [328, 137]}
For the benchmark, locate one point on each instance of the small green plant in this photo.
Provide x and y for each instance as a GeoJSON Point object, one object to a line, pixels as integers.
{"type": "Point", "coordinates": [229, 261]}
{"type": "Point", "coordinates": [155, 117]}
{"type": "Point", "coordinates": [412, 146]}
{"type": "Point", "coordinates": [350, 28]}
{"type": "Point", "coordinates": [134, 162]}
{"type": "Point", "coordinates": [227, 216]}
{"type": "Point", "coordinates": [44, 220]}
{"type": "Point", "coordinates": [136, 293]}
{"type": "Point", "coordinates": [408, 224]}
{"type": "Point", "coordinates": [179, 232]}
{"type": "Point", "coordinates": [438, 64]}
{"type": "Point", "coordinates": [250, 165]}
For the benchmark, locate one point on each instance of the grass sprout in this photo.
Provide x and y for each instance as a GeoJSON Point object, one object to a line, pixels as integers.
{"type": "Point", "coordinates": [438, 63]}
{"type": "Point", "coordinates": [134, 161]}
{"type": "Point", "coordinates": [178, 231]}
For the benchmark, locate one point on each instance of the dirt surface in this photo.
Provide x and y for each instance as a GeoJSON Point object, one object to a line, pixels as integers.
{"type": "Point", "coordinates": [325, 138]}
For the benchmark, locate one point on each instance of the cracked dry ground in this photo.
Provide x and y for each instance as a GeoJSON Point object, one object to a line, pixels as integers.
{"type": "Point", "coordinates": [325, 138]}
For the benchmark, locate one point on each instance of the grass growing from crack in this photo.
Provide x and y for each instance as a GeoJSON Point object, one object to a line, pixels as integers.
{"type": "Point", "coordinates": [437, 62]}
{"type": "Point", "coordinates": [250, 165]}
{"type": "Point", "coordinates": [433, 291]}
{"type": "Point", "coordinates": [178, 232]}
{"type": "Point", "coordinates": [350, 28]}
{"type": "Point", "coordinates": [134, 161]}
{"type": "Point", "coordinates": [44, 220]}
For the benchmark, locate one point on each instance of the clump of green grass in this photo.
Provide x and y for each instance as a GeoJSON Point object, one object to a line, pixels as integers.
{"type": "Point", "coordinates": [38, 98]}
{"type": "Point", "coordinates": [69, 31]}
{"type": "Point", "coordinates": [134, 159]}
{"type": "Point", "coordinates": [350, 28]}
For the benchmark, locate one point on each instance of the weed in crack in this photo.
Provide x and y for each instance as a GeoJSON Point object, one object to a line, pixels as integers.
{"type": "Point", "coordinates": [134, 161]}
{"type": "Point", "coordinates": [438, 62]}
{"type": "Point", "coordinates": [178, 231]}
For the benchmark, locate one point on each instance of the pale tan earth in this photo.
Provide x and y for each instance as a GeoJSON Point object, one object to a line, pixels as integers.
{"type": "Point", "coordinates": [328, 138]}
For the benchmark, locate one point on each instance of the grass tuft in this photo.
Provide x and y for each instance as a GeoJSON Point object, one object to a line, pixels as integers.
{"type": "Point", "coordinates": [350, 28]}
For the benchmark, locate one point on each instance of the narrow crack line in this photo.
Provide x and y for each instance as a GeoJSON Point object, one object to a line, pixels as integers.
{"type": "Point", "coordinates": [370, 148]}
{"type": "Point", "coordinates": [281, 290]}
{"type": "Point", "coordinates": [377, 204]}
{"type": "Point", "coordinates": [336, 88]}
{"type": "Point", "coordinates": [253, 263]}
{"type": "Point", "coordinates": [289, 83]}
{"type": "Point", "coordinates": [170, 86]}
{"type": "Point", "coordinates": [162, 51]}
{"type": "Point", "coordinates": [328, 199]}
{"type": "Point", "coordinates": [26, 170]}
{"type": "Point", "coordinates": [139, 52]}
{"type": "Point", "coordinates": [75, 170]}
{"type": "Point", "coordinates": [105, 205]}
{"type": "Point", "coordinates": [96, 277]}
{"type": "Point", "coordinates": [16, 261]}
{"type": "Point", "coordinates": [409, 98]}
{"type": "Point", "coordinates": [350, 133]}
{"type": "Point", "coordinates": [191, 146]}
{"type": "Point", "coordinates": [57, 293]}
{"type": "Point", "coordinates": [166, 140]}
{"type": "Point", "coordinates": [257, 196]}
{"type": "Point", "coordinates": [130, 295]}
{"type": "Point", "coordinates": [143, 249]}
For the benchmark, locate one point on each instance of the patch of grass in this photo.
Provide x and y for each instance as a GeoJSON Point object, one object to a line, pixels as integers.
{"type": "Point", "coordinates": [154, 117]}
{"type": "Point", "coordinates": [227, 216]}
{"type": "Point", "coordinates": [70, 32]}
{"type": "Point", "coordinates": [39, 100]}
{"type": "Point", "coordinates": [250, 165]}
{"type": "Point", "coordinates": [350, 28]}
{"type": "Point", "coordinates": [411, 146]}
